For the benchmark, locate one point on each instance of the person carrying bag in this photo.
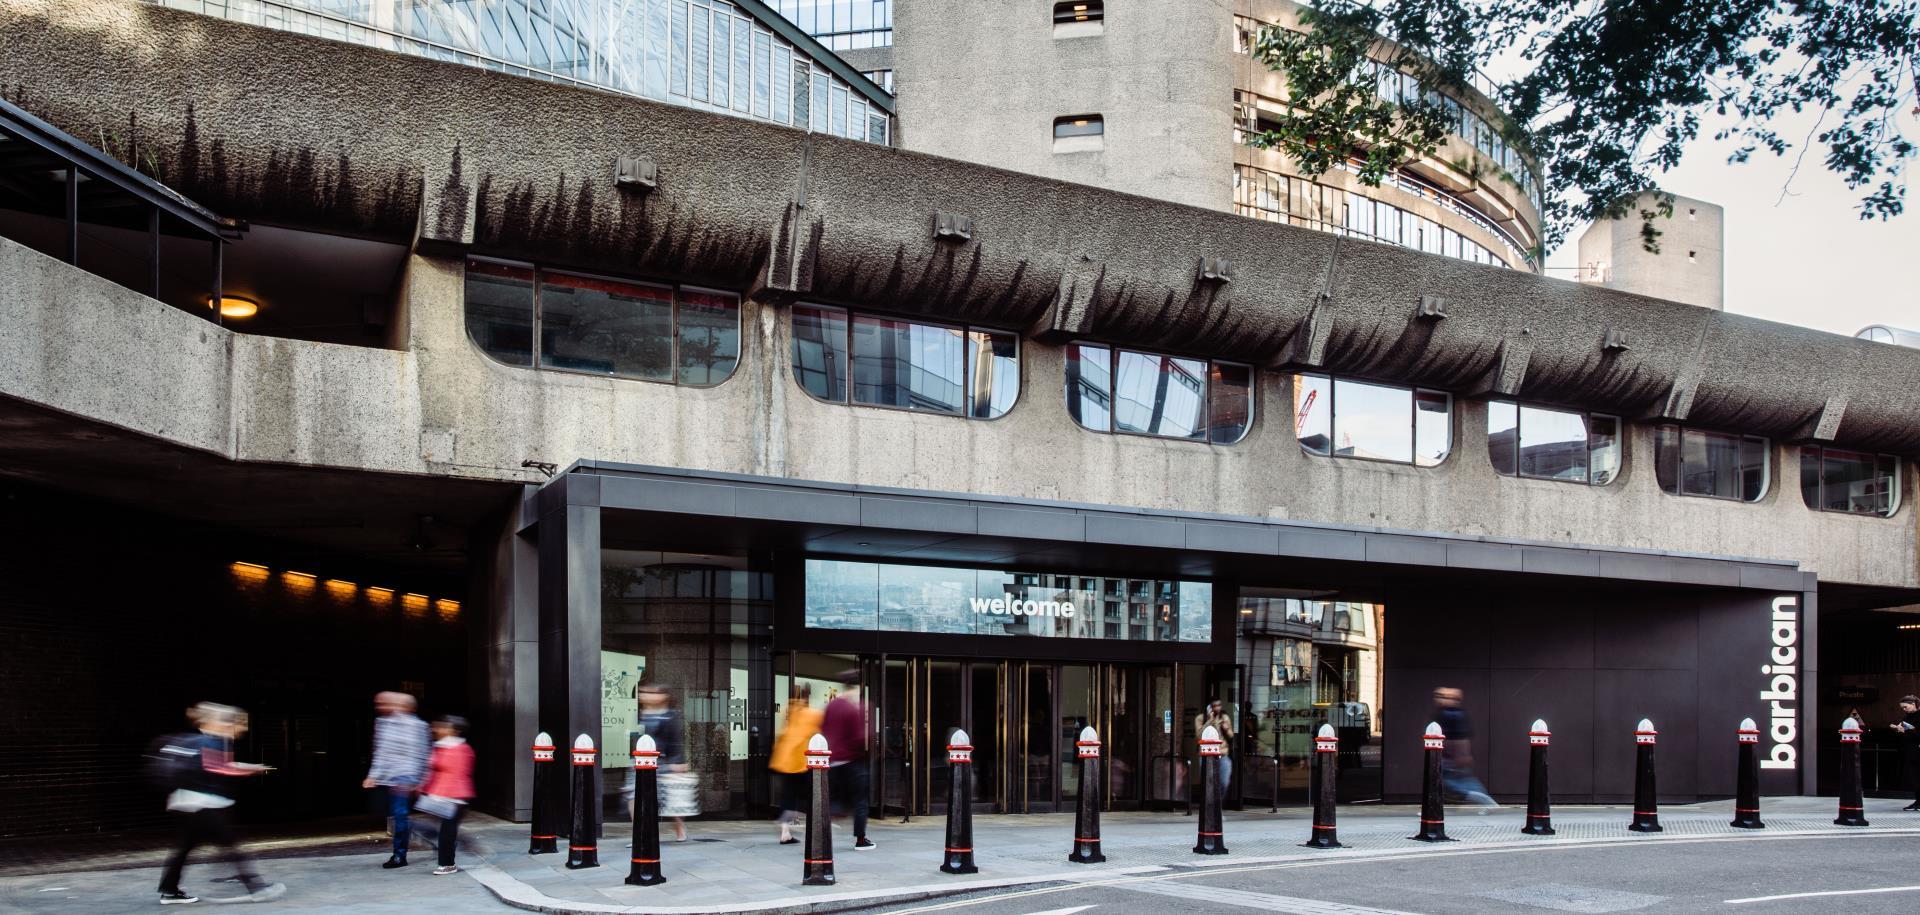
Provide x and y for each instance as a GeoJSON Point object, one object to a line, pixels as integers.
{"type": "Point", "coordinates": [448, 788]}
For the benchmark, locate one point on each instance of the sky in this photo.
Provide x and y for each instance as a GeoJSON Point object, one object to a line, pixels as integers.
{"type": "Point", "coordinates": [1803, 257]}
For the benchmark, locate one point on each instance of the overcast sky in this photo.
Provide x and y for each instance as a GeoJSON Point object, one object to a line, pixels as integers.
{"type": "Point", "coordinates": [1803, 258]}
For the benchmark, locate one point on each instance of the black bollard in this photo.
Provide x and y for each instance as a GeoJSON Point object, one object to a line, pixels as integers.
{"type": "Point", "coordinates": [1433, 816]}
{"type": "Point", "coordinates": [1325, 747]}
{"type": "Point", "coordinates": [817, 865]}
{"type": "Point", "coordinates": [1539, 798]}
{"type": "Point", "coordinates": [1746, 795]}
{"type": "Point", "coordinates": [546, 828]}
{"type": "Point", "coordinates": [1211, 840]}
{"type": "Point", "coordinates": [1852, 807]}
{"type": "Point", "coordinates": [646, 814]}
{"type": "Point", "coordinates": [583, 843]}
{"type": "Point", "coordinates": [1646, 799]}
{"type": "Point", "coordinates": [1086, 814]}
{"type": "Point", "coordinates": [959, 857]}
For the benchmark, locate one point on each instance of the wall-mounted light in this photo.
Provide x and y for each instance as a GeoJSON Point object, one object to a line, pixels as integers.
{"type": "Point", "coordinates": [235, 306]}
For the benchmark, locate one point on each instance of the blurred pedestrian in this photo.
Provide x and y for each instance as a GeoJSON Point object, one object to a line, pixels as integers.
{"type": "Point", "coordinates": [789, 759]}
{"type": "Point", "coordinates": [1909, 728]}
{"type": "Point", "coordinates": [845, 726]}
{"type": "Point", "coordinates": [1215, 716]}
{"type": "Point", "coordinates": [400, 750]}
{"type": "Point", "coordinates": [448, 788]}
{"type": "Point", "coordinates": [677, 786]}
{"type": "Point", "coordinates": [1456, 761]}
{"type": "Point", "coordinates": [199, 772]}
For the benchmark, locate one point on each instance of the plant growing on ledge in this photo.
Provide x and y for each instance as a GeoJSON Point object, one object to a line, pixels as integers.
{"type": "Point", "coordinates": [1613, 92]}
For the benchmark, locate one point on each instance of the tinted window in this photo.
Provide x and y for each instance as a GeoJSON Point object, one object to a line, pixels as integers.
{"type": "Point", "coordinates": [709, 336]}
{"type": "Point", "coordinates": [1503, 436]}
{"type": "Point", "coordinates": [993, 359]}
{"type": "Point", "coordinates": [1432, 427]}
{"type": "Point", "coordinates": [1231, 403]}
{"type": "Point", "coordinates": [1372, 421]}
{"type": "Point", "coordinates": [1078, 125]}
{"type": "Point", "coordinates": [1313, 412]}
{"type": "Point", "coordinates": [1603, 454]}
{"type": "Point", "coordinates": [593, 325]}
{"type": "Point", "coordinates": [1160, 395]}
{"type": "Point", "coordinates": [1090, 386]}
{"type": "Point", "coordinates": [500, 310]}
{"type": "Point", "coordinates": [1849, 481]}
{"type": "Point", "coordinates": [820, 351]}
{"type": "Point", "coordinates": [1154, 394]}
{"type": "Point", "coordinates": [889, 362]}
{"type": "Point", "coordinates": [1694, 462]}
{"type": "Point", "coordinates": [902, 364]}
{"type": "Point", "coordinates": [1552, 444]}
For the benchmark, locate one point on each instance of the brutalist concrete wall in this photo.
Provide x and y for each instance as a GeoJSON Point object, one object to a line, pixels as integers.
{"type": "Point", "coordinates": [1690, 266]}
{"type": "Point", "coordinates": [507, 166]}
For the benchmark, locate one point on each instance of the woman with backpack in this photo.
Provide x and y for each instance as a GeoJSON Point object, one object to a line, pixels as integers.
{"type": "Point", "coordinates": [199, 772]}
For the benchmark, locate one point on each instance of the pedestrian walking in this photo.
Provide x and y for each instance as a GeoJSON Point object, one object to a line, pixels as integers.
{"type": "Point", "coordinates": [677, 786]}
{"type": "Point", "coordinates": [1909, 728]}
{"type": "Point", "coordinates": [845, 726]}
{"type": "Point", "coordinates": [1456, 761]}
{"type": "Point", "coordinates": [789, 761]}
{"type": "Point", "coordinates": [1215, 716]}
{"type": "Point", "coordinates": [448, 788]}
{"type": "Point", "coordinates": [199, 772]}
{"type": "Point", "coordinates": [400, 750]}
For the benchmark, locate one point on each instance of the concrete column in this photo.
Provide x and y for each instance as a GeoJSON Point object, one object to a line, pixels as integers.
{"type": "Point", "coordinates": [568, 534]}
{"type": "Point", "coordinates": [503, 588]}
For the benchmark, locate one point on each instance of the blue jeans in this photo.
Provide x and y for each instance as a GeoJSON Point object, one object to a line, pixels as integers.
{"type": "Point", "coordinates": [399, 804]}
{"type": "Point", "coordinates": [1462, 782]}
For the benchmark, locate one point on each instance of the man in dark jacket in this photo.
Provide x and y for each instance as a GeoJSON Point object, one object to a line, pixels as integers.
{"type": "Point", "coordinates": [201, 799]}
{"type": "Point", "coordinates": [1456, 762]}
{"type": "Point", "coordinates": [845, 727]}
{"type": "Point", "coordinates": [1909, 728]}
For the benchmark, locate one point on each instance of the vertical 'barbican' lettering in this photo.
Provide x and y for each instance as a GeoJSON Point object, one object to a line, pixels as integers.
{"type": "Point", "coordinates": [1783, 691]}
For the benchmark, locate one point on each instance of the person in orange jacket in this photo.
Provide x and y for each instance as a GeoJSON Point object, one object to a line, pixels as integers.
{"type": "Point", "coordinates": [790, 759]}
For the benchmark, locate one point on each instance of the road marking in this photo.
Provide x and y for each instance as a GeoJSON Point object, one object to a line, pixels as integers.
{"type": "Point", "coordinates": [1266, 902]}
{"type": "Point", "coordinates": [1883, 889]}
{"type": "Point", "coordinates": [1078, 908]}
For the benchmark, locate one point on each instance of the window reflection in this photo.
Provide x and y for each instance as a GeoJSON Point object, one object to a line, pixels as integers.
{"type": "Point", "coordinates": [1313, 413]}
{"type": "Point", "coordinates": [903, 364]}
{"type": "Point", "coordinates": [1552, 444]}
{"type": "Point", "coordinates": [1849, 481]}
{"type": "Point", "coordinates": [592, 325]}
{"type": "Point", "coordinates": [1341, 417]}
{"type": "Point", "coordinates": [1694, 462]}
{"type": "Point", "coordinates": [1153, 394]}
{"type": "Point", "coordinates": [500, 310]}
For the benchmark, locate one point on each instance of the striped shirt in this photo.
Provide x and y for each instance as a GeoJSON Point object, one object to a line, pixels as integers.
{"type": "Point", "coordinates": [400, 749]}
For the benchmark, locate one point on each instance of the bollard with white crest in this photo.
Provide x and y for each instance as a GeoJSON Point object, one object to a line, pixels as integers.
{"type": "Point", "coordinates": [959, 854]}
{"type": "Point", "coordinates": [1433, 816]}
{"type": "Point", "coordinates": [1325, 747]}
{"type": "Point", "coordinates": [646, 814]}
{"type": "Point", "coordinates": [816, 867]}
{"type": "Point", "coordinates": [1853, 807]}
{"type": "Point", "coordinates": [1211, 840]}
{"type": "Point", "coordinates": [1539, 796]}
{"type": "Point", "coordinates": [1746, 795]}
{"type": "Point", "coordinates": [546, 816]}
{"type": "Point", "coordinates": [1646, 797]}
{"type": "Point", "coordinates": [1086, 814]}
{"type": "Point", "coordinates": [583, 840]}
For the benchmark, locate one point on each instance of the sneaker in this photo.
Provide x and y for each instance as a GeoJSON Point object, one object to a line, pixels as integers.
{"type": "Point", "coordinates": [393, 862]}
{"type": "Point", "coordinates": [446, 869]}
{"type": "Point", "coordinates": [177, 898]}
{"type": "Point", "coordinates": [864, 844]}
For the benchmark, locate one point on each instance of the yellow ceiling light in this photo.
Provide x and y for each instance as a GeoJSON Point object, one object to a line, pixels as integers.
{"type": "Point", "coordinates": [234, 306]}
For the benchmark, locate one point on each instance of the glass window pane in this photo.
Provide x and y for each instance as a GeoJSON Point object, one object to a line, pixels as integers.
{"type": "Point", "coordinates": [722, 57]}
{"type": "Point", "coordinates": [1753, 468]}
{"type": "Point", "coordinates": [742, 63]}
{"type": "Point", "coordinates": [1230, 400]}
{"type": "Point", "coordinates": [500, 310]}
{"type": "Point", "coordinates": [820, 351]}
{"type": "Point", "coordinates": [1503, 435]}
{"type": "Point", "coordinates": [698, 62]}
{"type": "Point", "coordinates": [993, 359]}
{"type": "Point", "coordinates": [1851, 482]}
{"type": "Point", "coordinates": [1603, 462]}
{"type": "Point", "coordinates": [1709, 464]}
{"type": "Point", "coordinates": [1090, 386]}
{"type": "Point", "coordinates": [1372, 421]}
{"type": "Point", "coordinates": [709, 336]}
{"type": "Point", "coordinates": [762, 72]}
{"type": "Point", "coordinates": [1313, 413]}
{"type": "Point", "coordinates": [1160, 395]}
{"type": "Point", "coordinates": [902, 364]}
{"type": "Point", "coordinates": [595, 325]}
{"type": "Point", "coordinates": [677, 64]}
{"type": "Point", "coordinates": [1666, 458]}
{"type": "Point", "coordinates": [1553, 444]}
{"type": "Point", "coordinates": [1432, 427]}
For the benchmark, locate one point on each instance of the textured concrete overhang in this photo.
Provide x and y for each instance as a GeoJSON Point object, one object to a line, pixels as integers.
{"type": "Point", "coordinates": [316, 133]}
{"type": "Point", "coordinates": [926, 526]}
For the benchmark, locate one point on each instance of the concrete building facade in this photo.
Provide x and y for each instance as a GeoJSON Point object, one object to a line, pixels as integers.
{"type": "Point", "coordinates": [1690, 266]}
{"type": "Point", "coordinates": [810, 405]}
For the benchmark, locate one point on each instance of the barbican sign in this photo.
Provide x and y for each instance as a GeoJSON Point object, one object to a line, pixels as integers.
{"type": "Point", "coordinates": [1783, 687]}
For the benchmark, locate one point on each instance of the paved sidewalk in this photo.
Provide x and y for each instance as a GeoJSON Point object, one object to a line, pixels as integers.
{"type": "Point", "coordinates": [739, 867]}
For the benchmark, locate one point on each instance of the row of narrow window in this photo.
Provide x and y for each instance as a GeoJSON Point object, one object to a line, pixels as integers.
{"type": "Point", "coordinates": [530, 316]}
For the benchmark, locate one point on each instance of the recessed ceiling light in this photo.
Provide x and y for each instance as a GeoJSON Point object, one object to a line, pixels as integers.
{"type": "Point", "coordinates": [233, 306]}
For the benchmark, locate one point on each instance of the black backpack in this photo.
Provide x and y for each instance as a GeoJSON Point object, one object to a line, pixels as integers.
{"type": "Point", "coordinates": [173, 762]}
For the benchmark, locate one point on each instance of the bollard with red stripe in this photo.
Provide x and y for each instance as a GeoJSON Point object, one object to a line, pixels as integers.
{"type": "Point", "coordinates": [1433, 816]}
{"type": "Point", "coordinates": [1853, 807]}
{"type": "Point", "coordinates": [1086, 814]}
{"type": "Point", "coordinates": [1746, 795]}
{"type": "Point", "coordinates": [646, 814]}
{"type": "Point", "coordinates": [1212, 840]}
{"type": "Point", "coordinates": [1539, 798]}
{"type": "Point", "coordinates": [583, 842]}
{"type": "Point", "coordinates": [1326, 748]}
{"type": "Point", "coordinates": [546, 825]}
{"type": "Point", "coordinates": [959, 856]}
{"type": "Point", "coordinates": [816, 867]}
{"type": "Point", "coordinates": [1646, 797]}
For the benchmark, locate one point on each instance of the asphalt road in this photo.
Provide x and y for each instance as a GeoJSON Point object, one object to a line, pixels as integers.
{"type": "Point", "coordinates": [1737, 876]}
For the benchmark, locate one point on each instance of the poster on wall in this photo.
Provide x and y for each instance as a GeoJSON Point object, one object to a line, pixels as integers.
{"type": "Point", "coordinates": [620, 677]}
